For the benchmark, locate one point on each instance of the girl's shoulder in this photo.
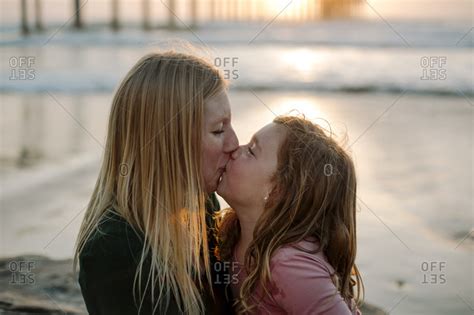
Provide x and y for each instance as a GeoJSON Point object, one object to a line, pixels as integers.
{"type": "Point", "coordinates": [301, 254]}
{"type": "Point", "coordinates": [302, 281]}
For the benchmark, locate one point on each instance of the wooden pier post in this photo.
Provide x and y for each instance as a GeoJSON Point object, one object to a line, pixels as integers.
{"type": "Point", "coordinates": [77, 14]}
{"type": "Point", "coordinates": [146, 15]}
{"type": "Point", "coordinates": [171, 14]}
{"type": "Point", "coordinates": [25, 30]}
{"type": "Point", "coordinates": [303, 14]}
{"type": "Point", "coordinates": [312, 10]}
{"type": "Point", "coordinates": [38, 16]}
{"type": "Point", "coordinates": [194, 20]}
{"type": "Point", "coordinates": [256, 8]}
{"type": "Point", "coordinates": [115, 15]}
{"type": "Point", "coordinates": [248, 10]}
{"type": "Point", "coordinates": [212, 10]}
{"type": "Point", "coordinates": [260, 11]}
{"type": "Point", "coordinates": [236, 10]}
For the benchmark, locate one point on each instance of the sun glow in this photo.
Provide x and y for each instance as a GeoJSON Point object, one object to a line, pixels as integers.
{"type": "Point", "coordinates": [301, 60]}
{"type": "Point", "coordinates": [299, 106]}
{"type": "Point", "coordinates": [285, 8]}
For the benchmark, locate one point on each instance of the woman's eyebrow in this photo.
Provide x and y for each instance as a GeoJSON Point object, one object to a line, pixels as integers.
{"type": "Point", "coordinates": [223, 120]}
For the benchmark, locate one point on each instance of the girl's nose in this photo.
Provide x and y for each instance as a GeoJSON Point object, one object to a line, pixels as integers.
{"type": "Point", "coordinates": [235, 155]}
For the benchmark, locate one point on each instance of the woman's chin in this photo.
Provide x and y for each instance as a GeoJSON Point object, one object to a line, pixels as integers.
{"type": "Point", "coordinates": [220, 189]}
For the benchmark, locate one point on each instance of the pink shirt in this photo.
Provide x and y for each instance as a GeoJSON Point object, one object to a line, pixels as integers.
{"type": "Point", "coordinates": [301, 284]}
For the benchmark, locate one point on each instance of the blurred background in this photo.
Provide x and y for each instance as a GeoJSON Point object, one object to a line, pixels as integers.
{"type": "Point", "coordinates": [395, 76]}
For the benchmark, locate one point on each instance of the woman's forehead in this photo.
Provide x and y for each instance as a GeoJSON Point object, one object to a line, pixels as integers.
{"type": "Point", "coordinates": [217, 108]}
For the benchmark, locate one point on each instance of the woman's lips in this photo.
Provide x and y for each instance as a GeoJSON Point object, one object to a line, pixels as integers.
{"type": "Point", "coordinates": [222, 170]}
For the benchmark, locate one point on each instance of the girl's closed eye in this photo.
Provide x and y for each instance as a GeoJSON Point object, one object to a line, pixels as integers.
{"type": "Point", "coordinates": [249, 149]}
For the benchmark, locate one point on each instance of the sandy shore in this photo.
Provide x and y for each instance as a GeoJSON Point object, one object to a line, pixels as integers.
{"type": "Point", "coordinates": [39, 285]}
{"type": "Point", "coordinates": [414, 168]}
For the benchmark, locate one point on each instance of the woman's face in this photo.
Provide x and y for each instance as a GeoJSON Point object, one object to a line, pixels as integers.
{"type": "Point", "coordinates": [218, 139]}
{"type": "Point", "coordinates": [247, 179]}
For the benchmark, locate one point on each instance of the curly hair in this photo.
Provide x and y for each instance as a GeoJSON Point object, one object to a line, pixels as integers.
{"type": "Point", "coordinates": [314, 197]}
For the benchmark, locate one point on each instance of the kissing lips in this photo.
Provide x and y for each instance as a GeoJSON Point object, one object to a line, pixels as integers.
{"type": "Point", "coordinates": [222, 171]}
{"type": "Point", "coordinates": [222, 174]}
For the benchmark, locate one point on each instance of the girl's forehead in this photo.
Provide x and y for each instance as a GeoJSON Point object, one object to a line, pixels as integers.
{"type": "Point", "coordinates": [270, 136]}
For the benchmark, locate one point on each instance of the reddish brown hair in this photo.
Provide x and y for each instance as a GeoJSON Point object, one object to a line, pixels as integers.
{"type": "Point", "coordinates": [314, 197]}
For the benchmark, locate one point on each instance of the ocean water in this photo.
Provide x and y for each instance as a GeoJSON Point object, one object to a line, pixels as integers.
{"type": "Point", "coordinates": [342, 56]}
{"type": "Point", "coordinates": [400, 89]}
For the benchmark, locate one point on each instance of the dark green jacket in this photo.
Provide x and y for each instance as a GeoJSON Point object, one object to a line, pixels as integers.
{"type": "Point", "coordinates": [109, 262]}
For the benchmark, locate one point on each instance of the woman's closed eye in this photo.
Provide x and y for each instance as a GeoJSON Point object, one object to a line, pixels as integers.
{"type": "Point", "coordinates": [219, 129]}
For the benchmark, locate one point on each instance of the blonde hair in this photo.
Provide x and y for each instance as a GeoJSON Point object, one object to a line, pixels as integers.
{"type": "Point", "coordinates": [314, 198]}
{"type": "Point", "coordinates": [151, 173]}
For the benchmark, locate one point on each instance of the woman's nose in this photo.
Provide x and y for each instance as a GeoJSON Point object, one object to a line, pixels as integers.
{"type": "Point", "coordinates": [232, 143]}
{"type": "Point", "coordinates": [235, 155]}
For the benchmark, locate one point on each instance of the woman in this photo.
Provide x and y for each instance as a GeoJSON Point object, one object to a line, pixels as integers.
{"type": "Point", "coordinates": [291, 229]}
{"type": "Point", "coordinates": [143, 245]}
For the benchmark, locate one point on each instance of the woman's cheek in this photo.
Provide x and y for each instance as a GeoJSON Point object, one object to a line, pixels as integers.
{"type": "Point", "coordinates": [212, 154]}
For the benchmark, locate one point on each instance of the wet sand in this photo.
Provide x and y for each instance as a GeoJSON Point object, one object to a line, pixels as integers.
{"type": "Point", "coordinates": [49, 287]}
{"type": "Point", "coordinates": [414, 164]}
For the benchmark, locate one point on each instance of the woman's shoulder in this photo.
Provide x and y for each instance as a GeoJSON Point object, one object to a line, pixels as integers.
{"type": "Point", "coordinates": [113, 236]}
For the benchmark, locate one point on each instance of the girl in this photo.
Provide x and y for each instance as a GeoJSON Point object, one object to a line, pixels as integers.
{"type": "Point", "coordinates": [291, 230]}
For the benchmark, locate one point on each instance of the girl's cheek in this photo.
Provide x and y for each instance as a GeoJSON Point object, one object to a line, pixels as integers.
{"type": "Point", "coordinates": [244, 167]}
{"type": "Point", "coordinates": [238, 166]}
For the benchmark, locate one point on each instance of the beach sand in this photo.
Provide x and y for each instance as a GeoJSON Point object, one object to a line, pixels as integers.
{"type": "Point", "coordinates": [413, 156]}
{"type": "Point", "coordinates": [51, 288]}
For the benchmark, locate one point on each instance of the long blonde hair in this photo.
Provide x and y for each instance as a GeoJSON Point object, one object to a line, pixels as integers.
{"type": "Point", "coordinates": [314, 198]}
{"type": "Point", "coordinates": [151, 173]}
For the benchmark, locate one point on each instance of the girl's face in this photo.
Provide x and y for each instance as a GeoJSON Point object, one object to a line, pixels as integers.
{"type": "Point", "coordinates": [247, 179]}
{"type": "Point", "coordinates": [218, 139]}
